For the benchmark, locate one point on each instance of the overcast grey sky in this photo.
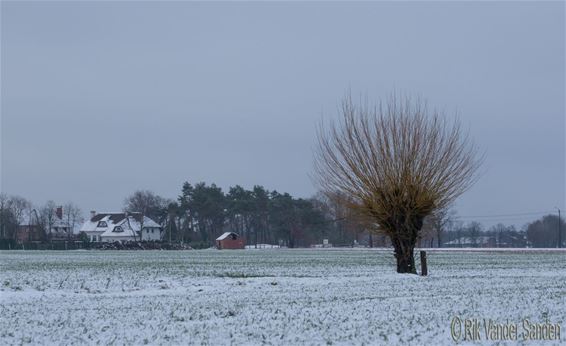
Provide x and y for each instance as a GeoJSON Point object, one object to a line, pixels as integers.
{"type": "Point", "coordinates": [102, 98]}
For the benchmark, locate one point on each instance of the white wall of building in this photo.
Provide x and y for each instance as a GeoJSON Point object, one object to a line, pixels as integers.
{"type": "Point", "coordinates": [151, 233]}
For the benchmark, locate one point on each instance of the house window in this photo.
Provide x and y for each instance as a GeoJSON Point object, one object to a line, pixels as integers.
{"type": "Point", "coordinates": [102, 224]}
{"type": "Point", "coordinates": [118, 229]}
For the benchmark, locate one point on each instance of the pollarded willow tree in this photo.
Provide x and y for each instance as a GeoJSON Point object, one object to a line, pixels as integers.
{"type": "Point", "coordinates": [396, 163]}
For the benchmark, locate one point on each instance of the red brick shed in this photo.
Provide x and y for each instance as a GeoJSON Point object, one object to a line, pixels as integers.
{"type": "Point", "coordinates": [230, 240]}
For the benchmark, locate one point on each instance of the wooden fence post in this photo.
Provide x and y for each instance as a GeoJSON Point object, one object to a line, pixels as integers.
{"type": "Point", "coordinates": [424, 269]}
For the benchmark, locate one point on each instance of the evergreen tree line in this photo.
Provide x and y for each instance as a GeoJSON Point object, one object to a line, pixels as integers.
{"type": "Point", "coordinates": [203, 212]}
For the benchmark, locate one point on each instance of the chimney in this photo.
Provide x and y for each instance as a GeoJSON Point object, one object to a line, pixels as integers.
{"type": "Point", "coordinates": [92, 213]}
{"type": "Point", "coordinates": [59, 212]}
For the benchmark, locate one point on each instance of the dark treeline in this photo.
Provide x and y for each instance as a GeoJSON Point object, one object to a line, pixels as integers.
{"type": "Point", "coordinates": [202, 212]}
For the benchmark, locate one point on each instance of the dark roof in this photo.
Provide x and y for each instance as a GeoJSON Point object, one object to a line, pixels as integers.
{"type": "Point", "coordinates": [97, 217]}
{"type": "Point", "coordinates": [116, 217]}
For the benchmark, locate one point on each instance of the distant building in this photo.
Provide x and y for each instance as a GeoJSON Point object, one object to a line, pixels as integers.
{"type": "Point", "coordinates": [230, 240]}
{"type": "Point", "coordinates": [56, 228]}
{"type": "Point", "coordinates": [27, 233]}
{"type": "Point", "coordinates": [110, 227]}
{"type": "Point", "coordinates": [60, 229]}
{"type": "Point", "coordinates": [481, 241]}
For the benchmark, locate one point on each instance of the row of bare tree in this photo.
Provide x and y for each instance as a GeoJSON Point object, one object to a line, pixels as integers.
{"type": "Point", "coordinates": [17, 212]}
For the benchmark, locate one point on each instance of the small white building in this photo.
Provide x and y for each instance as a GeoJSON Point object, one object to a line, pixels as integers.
{"type": "Point", "coordinates": [110, 227]}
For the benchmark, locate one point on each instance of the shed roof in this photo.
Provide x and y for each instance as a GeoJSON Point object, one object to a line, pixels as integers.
{"type": "Point", "coordinates": [225, 235]}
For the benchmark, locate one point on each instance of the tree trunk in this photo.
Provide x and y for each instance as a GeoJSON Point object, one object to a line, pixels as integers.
{"type": "Point", "coordinates": [404, 254]}
{"type": "Point", "coordinates": [404, 238]}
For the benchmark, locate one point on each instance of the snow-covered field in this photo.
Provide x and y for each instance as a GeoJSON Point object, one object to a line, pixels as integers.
{"type": "Point", "coordinates": [272, 296]}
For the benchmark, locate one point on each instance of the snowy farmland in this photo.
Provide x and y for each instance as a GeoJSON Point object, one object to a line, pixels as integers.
{"type": "Point", "coordinates": [271, 296]}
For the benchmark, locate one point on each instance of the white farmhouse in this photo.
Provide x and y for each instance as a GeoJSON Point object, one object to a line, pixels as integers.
{"type": "Point", "coordinates": [109, 227]}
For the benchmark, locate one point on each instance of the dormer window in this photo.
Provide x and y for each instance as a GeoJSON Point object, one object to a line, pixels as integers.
{"type": "Point", "coordinates": [102, 224]}
{"type": "Point", "coordinates": [118, 229]}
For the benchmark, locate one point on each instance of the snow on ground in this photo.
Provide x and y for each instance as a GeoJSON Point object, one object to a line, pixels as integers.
{"type": "Point", "coordinates": [272, 296]}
